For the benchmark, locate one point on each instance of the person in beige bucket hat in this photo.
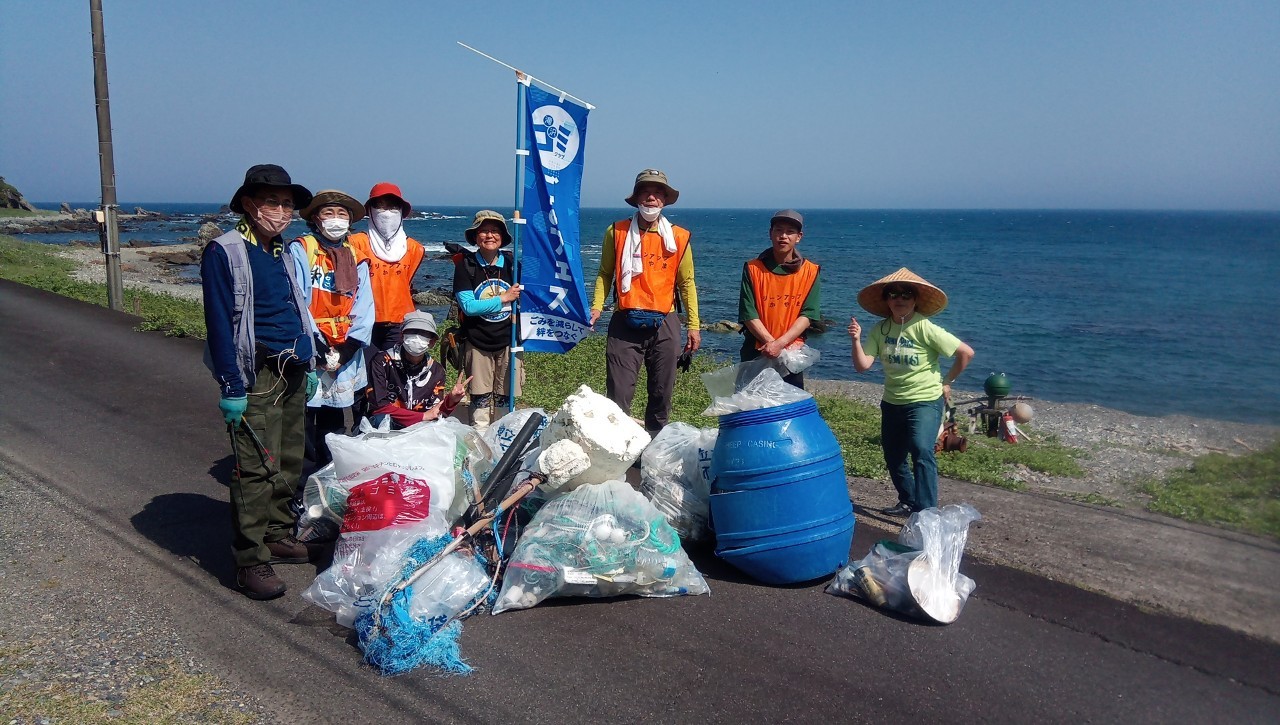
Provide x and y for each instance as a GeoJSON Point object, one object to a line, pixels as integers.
{"type": "Point", "coordinates": [645, 260]}
{"type": "Point", "coordinates": [908, 346]}
{"type": "Point", "coordinates": [485, 287]}
{"type": "Point", "coordinates": [336, 287]}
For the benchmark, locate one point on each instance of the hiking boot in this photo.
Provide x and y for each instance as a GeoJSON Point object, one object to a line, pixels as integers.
{"type": "Point", "coordinates": [259, 582]}
{"type": "Point", "coordinates": [900, 509]}
{"type": "Point", "coordinates": [288, 551]}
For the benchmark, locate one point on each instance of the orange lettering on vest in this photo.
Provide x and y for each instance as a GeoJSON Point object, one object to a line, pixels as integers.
{"type": "Point", "coordinates": [392, 296]}
{"type": "Point", "coordinates": [655, 289]}
{"type": "Point", "coordinates": [780, 297]}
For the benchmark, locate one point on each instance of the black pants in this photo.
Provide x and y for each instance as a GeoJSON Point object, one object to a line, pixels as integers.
{"type": "Point", "coordinates": [321, 421]}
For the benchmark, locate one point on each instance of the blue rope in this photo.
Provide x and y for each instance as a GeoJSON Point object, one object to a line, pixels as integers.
{"type": "Point", "coordinates": [404, 643]}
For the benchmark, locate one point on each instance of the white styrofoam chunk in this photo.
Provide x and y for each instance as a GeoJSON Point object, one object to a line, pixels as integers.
{"type": "Point", "coordinates": [610, 437]}
{"type": "Point", "coordinates": [561, 462]}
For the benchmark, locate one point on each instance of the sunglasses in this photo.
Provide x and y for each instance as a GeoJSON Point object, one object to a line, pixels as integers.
{"type": "Point", "coordinates": [900, 294]}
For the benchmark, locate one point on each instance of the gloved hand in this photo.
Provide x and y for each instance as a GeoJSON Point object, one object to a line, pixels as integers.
{"type": "Point", "coordinates": [313, 382]}
{"type": "Point", "coordinates": [233, 408]}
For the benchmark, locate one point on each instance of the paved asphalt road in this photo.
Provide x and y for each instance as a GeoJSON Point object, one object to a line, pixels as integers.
{"type": "Point", "coordinates": [123, 429]}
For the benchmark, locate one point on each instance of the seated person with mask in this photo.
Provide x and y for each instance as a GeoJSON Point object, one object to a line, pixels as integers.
{"type": "Point", "coordinates": [406, 384]}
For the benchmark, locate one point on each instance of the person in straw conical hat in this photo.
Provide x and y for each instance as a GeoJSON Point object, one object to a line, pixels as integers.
{"type": "Point", "coordinates": [908, 346]}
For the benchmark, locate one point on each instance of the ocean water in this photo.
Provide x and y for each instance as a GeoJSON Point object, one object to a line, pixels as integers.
{"type": "Point", "coordinates": [1150, 312]}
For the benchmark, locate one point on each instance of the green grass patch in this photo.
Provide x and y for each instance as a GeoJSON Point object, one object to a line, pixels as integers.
{"type": "Point", "coordinates": [550, 378]}
{"type": "Point", "coordinates": [1238, 492]}
{"type": "Point", "coordinates": [39, 265]}
{"type": "Point", "coordinates": [165, 695]}
{"type": "Point", "coordinates": [24, 214]}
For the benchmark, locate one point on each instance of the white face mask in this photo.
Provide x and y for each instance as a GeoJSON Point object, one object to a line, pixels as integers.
{"type": "Point", "coordinates": [334, 229]}
{"type": "Point", "coordinates": [386, 221]}
{"type": "Point", "coordinates": [415, 344]}
{"type": "Point", "coordinates": [650, 213]}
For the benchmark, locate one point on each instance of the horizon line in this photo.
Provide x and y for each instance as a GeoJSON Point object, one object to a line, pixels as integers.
{"type": "Point", "coordinates": [770, 208]}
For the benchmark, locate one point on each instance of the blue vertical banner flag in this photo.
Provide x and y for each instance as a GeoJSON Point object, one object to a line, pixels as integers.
{"type": "Point", "coordinates": [554, 311]}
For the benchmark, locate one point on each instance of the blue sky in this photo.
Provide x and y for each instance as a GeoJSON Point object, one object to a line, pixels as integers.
{"type": "Point", "coordinates": [842, 104]}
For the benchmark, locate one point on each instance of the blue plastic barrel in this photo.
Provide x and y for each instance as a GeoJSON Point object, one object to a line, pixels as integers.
{"type": "Point", "coordinates": [779, 502]}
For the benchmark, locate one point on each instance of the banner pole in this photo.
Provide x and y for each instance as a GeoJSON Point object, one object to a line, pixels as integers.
{"type": "Point", "coordinates": [522, 150]}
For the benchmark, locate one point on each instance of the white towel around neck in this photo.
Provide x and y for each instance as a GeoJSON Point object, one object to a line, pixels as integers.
{"type": "Point", "coordinates": [632, 257]}
{"type": "Point", "coordinates": [388, 250]}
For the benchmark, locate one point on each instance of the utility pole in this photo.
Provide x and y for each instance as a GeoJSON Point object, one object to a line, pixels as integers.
{"type": "Point", "coordinates": [108, 226]}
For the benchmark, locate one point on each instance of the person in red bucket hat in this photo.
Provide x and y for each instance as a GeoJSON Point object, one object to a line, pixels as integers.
{"type": "Point", "coordinates": [394, 258]}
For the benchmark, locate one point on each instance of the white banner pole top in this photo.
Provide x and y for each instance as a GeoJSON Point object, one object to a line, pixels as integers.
{"type": "Point", "coordinates": [525, 78]}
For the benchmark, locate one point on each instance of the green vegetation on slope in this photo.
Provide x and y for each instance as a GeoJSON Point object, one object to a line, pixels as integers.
{"type": "Point", "coordinates": [38, 265]}
{"type": "Point", "coordinates": [1238, 492]}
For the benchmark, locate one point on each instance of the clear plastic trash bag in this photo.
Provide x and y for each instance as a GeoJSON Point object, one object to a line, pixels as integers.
{"type": "Point", "coordinates": [501, 434]}
{"type": "Point", "coordinates": [449, 587]}
{"type": "Point", "coordinates": [919, 574]}
{"type": "Point", "coordinates": [599, 540]}
{"type": "Point", "coordinates": [384, 517]}
{"type": "Point", "coordinates": [798, 357]}
{"type": "Point", "coordinates": [324, 502]}
{"type": "Point", "coordinates": [749, 386]}
{"type": "Point", "coordinates": [675, 475]}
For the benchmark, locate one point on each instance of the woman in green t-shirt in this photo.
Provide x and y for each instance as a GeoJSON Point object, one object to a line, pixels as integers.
{"type": "Point", "coordinates": [908, 346]}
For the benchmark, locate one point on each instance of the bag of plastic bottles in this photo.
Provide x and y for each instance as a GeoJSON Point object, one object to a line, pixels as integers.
{"type": "Point", "coordinates": [599, 540]}
{"type": "Point", "coordinates": [919, 574]}
{"type": "Point", "coordinates": [675, 475]}
{"type": "Point", "coordinates": [384, 517]}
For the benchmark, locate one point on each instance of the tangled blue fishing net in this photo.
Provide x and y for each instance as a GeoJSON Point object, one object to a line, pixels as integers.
{"type": "Point", "coordinates": [400, 642]}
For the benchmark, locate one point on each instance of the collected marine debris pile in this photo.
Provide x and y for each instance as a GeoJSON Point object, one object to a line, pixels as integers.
{"type": "Point", "coordinates": [919, 574]}
{"type": "Point", "coordinates": [598, 537]}
{"type": "Point", "coordinates": [426, 519]}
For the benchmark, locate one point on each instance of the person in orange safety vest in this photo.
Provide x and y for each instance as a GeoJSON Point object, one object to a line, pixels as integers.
{"type": "Point", "coordinates": [780, 294]}
{"type": "Point", "coordinates": [646, 259]}
{"type": "Point", "coordinates": [394, 258]}
{"type": "Point", "coordinates": [334, 280]}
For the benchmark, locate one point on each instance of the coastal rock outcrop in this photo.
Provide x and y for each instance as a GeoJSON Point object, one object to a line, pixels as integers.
{"type": "Point", "coordinates": [208, 232]}
{"type": "Point", "coordinates": [433, 298]}
{"type": "Point", "coordinates": [11, 198]}
{"type": "Point", "coordinates": [722, 326]}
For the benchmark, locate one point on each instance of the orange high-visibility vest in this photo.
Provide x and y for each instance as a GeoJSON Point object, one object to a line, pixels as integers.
{"type": "Point", "coordinates": [655, 289]}
{"type": "Point", "coordinates": [390, 281]}
{"type": "Point", "coordinates": [331, 310]}
{"type": "Point", "coordinates": [780, 297]}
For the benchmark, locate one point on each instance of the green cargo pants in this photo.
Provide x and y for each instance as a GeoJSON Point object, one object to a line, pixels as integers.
{"type": "Point", "coordinates": [261, 488]}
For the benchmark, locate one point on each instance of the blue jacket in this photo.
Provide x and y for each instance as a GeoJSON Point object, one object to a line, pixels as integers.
{"type": "Point", "coordinates": [251, 303]}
